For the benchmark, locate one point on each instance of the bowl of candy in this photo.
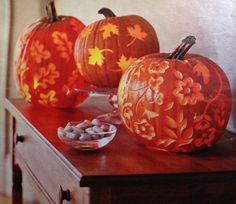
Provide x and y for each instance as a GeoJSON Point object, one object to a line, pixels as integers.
{"type": "Point", "coordinates": [87, 135]}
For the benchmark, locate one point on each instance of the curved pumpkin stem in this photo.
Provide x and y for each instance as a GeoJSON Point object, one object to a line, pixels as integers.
{"type": "Point", "coordinates": [106, 12]}
{"type": "Point", "coordinates": [183, 48]}
{"type": "Point", "coordinates": [51, 12]}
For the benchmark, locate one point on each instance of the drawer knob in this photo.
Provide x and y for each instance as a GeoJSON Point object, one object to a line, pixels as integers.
{"type": "Point", "coordinates": [19, 138]}
{"type": "Point", "coordinates": [64, 195]}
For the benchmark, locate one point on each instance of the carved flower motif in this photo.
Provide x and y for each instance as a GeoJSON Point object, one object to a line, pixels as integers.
{"type": "Point", "coordinates": [207, 138]}
{"type": "Point", "coordinates": [155, 81]}
{"type": "Point", "coordinates": [127, 111]}
{"type": "Point", "coordinates": [188, 92]}
{"type": "Point", "coordinates": [144, 129]}
{"type": "Point", "coordinates": [159, 67]}
{"type": "Point", "coordinates": [158, 98]}
{"type": "Point", "coordinates": [203, 122]}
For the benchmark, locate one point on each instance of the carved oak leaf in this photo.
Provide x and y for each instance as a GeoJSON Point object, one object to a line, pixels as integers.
{"type": "Point", "coordinates": [48, 98]}
{"type": "Point", "coordinates": [45, 76]}
{"type": "Point", "coordinates": [25, 92]}
{"type": "Point", "coordinates": [64, 46]}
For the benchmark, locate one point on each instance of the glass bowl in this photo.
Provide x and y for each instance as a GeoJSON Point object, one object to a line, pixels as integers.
{"type": "Point", "coordinates": [93, 144]}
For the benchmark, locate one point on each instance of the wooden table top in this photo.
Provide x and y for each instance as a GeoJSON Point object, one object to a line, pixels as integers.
{"type": "Point", "coordinates": [124, 158]}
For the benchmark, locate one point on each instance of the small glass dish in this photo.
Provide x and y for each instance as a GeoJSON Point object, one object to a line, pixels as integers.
{"type": "Point", "coordinates": [89, 144]}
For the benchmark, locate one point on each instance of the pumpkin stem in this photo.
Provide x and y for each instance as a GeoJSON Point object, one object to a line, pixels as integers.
{"type": "Point", "coordinates": [183, 48]}
{"type": "Point", "coordinates": [51, 12]}
{"type": "Point", "coordinates": [106, 12]}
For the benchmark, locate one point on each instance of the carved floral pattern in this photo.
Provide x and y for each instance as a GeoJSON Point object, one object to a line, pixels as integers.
{"type": "Point", "coordinates": [160, 106]}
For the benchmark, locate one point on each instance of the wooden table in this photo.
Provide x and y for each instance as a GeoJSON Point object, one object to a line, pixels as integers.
{"type": "Point", "coordinates": [122, 172]}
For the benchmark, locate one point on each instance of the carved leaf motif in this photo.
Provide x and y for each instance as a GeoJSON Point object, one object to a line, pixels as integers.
{"type": "Point", "coordinates": [186, 137]}
{"type": "Point", "coordinates": [25, 92]}
{"type": "Point", "coordinates": [38, 52]}
{"type": "Point", "coordinates": [165, 142]}
{"type": "Point", "coordinates": [96, 56]}
{"type": "Point", "coordinates": [86, 32]}
{"type": "Point", "coordinates": [137, 33]}
{"type": "Point", "coordinates": [183, 125]}
{"type": "Point", "coordinates": [178, 74]}
{"type": "Point", "coordinates": [180, 116]}
{"type": "Point", "coordinates": [170, 133]}
{"type": "Point", "coordinates": [170, 122]}
{"type": "Point", "coordinates": [109, 29]}
{"type": "Point", "coordinates": [124, 63]}
{"type": "Point", "coordinates": [169, 106]}
{"type": "Point", "coordinates": [48, 98]}
{"type": "Point", "coordinates": [21, 68]}
{"type": "Point", "coordinates": [202, 70]}
{"type": "Point", "coordinates": [151, 114]}
{"type": "Point", "coordinates": [64, 46]}
{"type": "Point", "coordinates": [46, 76]}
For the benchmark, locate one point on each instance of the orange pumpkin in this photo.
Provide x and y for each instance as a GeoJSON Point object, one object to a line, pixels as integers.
{"type": "Point", "coordinates": [45, 67]}
{"type": "Point", "coordinates": [177, 102]}
{"type": "Point", "coordinates": [107, 47]}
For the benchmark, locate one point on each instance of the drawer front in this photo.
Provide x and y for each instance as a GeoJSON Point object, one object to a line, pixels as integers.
{"type": "Point", "coordinates": [49, 171]}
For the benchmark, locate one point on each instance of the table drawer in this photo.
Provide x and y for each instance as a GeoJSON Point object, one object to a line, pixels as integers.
{"type": "Point", "coordinates": [46, 167]}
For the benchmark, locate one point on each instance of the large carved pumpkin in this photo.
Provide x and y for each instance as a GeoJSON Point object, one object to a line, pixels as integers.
{"type": "Point", "coordinates": [107, 47]}
{"type": "Point", "coordinates": [45, 66]}
{"type": "Point", "coordinates": [174, 102]}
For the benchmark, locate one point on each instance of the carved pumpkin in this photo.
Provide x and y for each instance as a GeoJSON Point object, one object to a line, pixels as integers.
{"type": "Point", "coordinates": [174, 102]}
{"type": "Point", "coordinates": [45, 67]}
{"type": "Point", "coordinates": [107, 47]}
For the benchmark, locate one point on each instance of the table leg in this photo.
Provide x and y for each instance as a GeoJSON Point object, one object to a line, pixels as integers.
{"type": "Point", "coordinates": [17, 197]}
{"type": "Point", "coordinates": [17, 185]}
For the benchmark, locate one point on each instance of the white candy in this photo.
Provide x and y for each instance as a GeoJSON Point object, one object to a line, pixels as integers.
{"type": "Point", "coordinates": [95, 137]}
{"type": "Point", "coordinates": [77, 130]}
{"type": "Point", "coordinates": [97, 129]}
{"type": "Point", "coordinates": [84, 124]}
{"type": "Point", "coordinates": [68, 124]}
{"type": "Point", "coordinates": [89, 130]}
{"type": "Point", "coordinates": [85, 130]}
{"type": "Point", "coordinates": [61, 132]}
{"type": "Point", "coordinates": [96, 122]}
{"type": "Point", "coordinates": [68, 129]}
{"type": "Point", "coordinates": [105, 127]}
{"type": "Point", "coordinates": [85, 137]}
{"type": "Point", "coordinates": [71, 135]}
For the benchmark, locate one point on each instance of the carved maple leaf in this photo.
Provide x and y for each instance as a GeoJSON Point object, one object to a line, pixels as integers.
{"type": "Point", "coordinates": [124, 63]}
{"type": "Point", "coordinates": [109, 29]}
{"type": "Point", "coordinates": [96, 56]}
{"type": "Point", "coordinates": [86, 32]}
{"type": "Point", "coordinates": [137, 33]}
